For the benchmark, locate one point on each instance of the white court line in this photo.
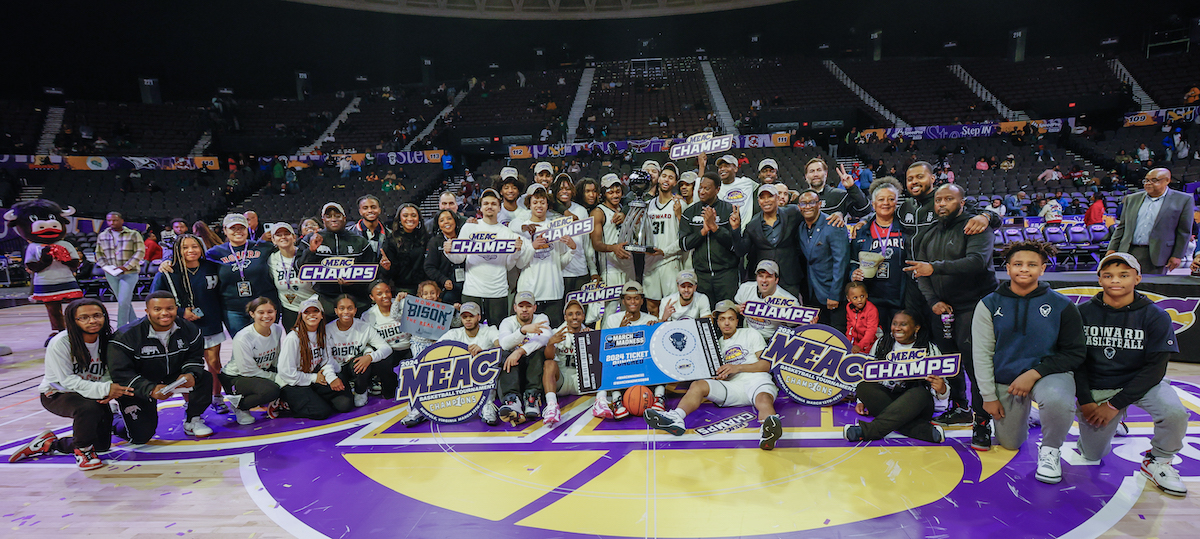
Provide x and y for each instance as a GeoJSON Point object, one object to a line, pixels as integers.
{"type": "Point", "coordinates": [267, 503]}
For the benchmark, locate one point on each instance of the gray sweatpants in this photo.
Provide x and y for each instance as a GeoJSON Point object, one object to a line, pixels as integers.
{"type": "Point", "coordinates": [1170, 425]}
{"type": "Point", "coordinates": [1055, 397]}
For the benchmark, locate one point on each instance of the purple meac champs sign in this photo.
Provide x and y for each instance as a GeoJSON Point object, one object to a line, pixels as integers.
{"type": "Point", "coordinates": [700, 144]}
{"type": "Point", "coordinates": [566, 226]}
{"type": "Point", "coordinates": [591, 293]}
{"type": "Point", "coordinates": [911, 365]}
{"type": "Point", "coordinates": [484, 246]}
{"type": "Point", "coordinates": [334, 269]}
{"type": "Point", "coordinates": [783, 312]}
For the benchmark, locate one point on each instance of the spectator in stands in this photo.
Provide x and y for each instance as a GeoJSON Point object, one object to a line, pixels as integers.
{"type": "Point", "coordinates": [1009, 162]}
{"type": "Point", "coordinates": [389, 177]}
{"type": "Point", "coordinates": [153, 250]}
{"type": "Point", "coordinates": [120, 251]}
{"type": "Point", "coordinates": [1122, 159]}
{"type": "Point", "coordinates": [982, 164]}
{"type": "Point", "coordinates": [833, 140]}
{"type": "Point", "coordinates": [997, 207]}
{"type": "Point", "coordinates": [1143, 153]}
{"type": "Point", "coordinates": [1192, 95]}
{"type": "Point", "coordinates": [1051, 210]}
{"type": "Point", "coordinates": [865, 176]}
{"type": "Point", "coordinates": [372, 176]}
{"type": "Point", "coordinates": [308, 225]}
{"type": "Point", "coordinates": [1050, 174]}
{"type": "Point", "coordinates": [255, 228]}
{"type": "Point", "coordinates": [993, 163]}
{"type": "Point", "coordinates": [1156, 224]}
{"type": "Point", "coordinates": [1012, 204]}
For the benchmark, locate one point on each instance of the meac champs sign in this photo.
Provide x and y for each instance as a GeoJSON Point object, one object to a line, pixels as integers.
{"type": "Point", "coordinates": [446, 383]}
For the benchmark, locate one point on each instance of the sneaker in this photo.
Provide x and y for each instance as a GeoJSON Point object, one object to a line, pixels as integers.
{"type": "Point", "coordinates": [668, 421]}
{"type": "Point", "coordinates": [360, 400]}
{"type": "Point", "coordinates": [1122, 429]}
{"type": "Point", "coordinates": [939, 434]}
{"type": "Point", "coordinates": [243, 417]}
{"type": "Point", "coordinates": [86, 459]}
{"type": "Point", "coordinates": [491, 416]}
{"type": "Point", "coordinates": [981, 437]}
{"type": "Point", "coordinates": [274, 408]}
{"type": "Point", "coordinates": [619, 411]}
{"type": "Point", "coordinates": [533, 406]}
{"type": "Point", "coordinates": [1049, 467]}
{"type": "Point", "coordinates": [551, 415]}
{"type": "Point", "coordinates": [196, 427]}
{"type": "Point", "coordinates": [1163, 475]}
{"type": "Point", "coordinates": [852, 433]}
{"type": "Point", "coordinates": [658, 404]}
{"type": "Point", "coordinates": [769, 433]}
{"type": "Point", "coordinates": [219, 406]}
{"type": "Point", "coordinates": [414, 418]}
{"type": "Point", "coordinates": [601, 409]}
{"type": "Point", "coordinates": [41, 444]}
{"type": "Point", "coordinates": [957, 416]}
{"type": "Point", "coordinates": [376, 389]}
{"type": "Point", "coordinates": [510, 412]}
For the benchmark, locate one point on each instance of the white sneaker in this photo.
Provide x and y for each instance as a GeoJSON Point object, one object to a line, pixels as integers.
{"type": "Point", "coordinates": [1163, 475]}
{"type": "Point", "coordinates": [490, 415]}
{"type": "Point", "coordinates": [414, 418]}
{"type": "Point", "coordinates": [1122, 429]}
{"type": "Point", "coordinates": [360, 400]}
{"type": "Point", "coordinates": [668, 421]}
{"type": "Point", "coordinates": [243, 417]}
{"type": "Point", "coordinates": [196, 427]}
{"type": "Point", "coordinates": [1049, 467]}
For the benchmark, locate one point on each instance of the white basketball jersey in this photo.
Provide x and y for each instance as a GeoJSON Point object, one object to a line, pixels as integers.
{"type": "Point", "coordinates": [664, 230]}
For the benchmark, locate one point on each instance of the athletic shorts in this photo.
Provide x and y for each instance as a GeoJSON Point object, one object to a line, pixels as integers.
{"type": "Point", "coordinates": [660, 282]}
{"type": "Point", "coordinates": [741, 390]}
{"type": "Point", "coordinates": [213, 340]}
{"type": "Point", "coordinates": [568, 381]}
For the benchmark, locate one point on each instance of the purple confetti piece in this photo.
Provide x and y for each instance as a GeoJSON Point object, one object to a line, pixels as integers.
{"type": "Point", "coordinates": [67, 515]}
{"type": "Point", "coordinates": [1143, 517]}
{"type": "Point", "coordinates": [827, 521]}
{"type": "Point", "coordinates": [169, 525]}
{"type": "Point", "coordinates": [197, 481]}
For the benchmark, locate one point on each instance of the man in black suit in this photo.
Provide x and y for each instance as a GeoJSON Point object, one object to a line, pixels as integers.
{"type": "Point", "coordinates": [771, 235]}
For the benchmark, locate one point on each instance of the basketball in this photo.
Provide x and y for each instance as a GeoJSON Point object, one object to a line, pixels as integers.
{"type": "Point", "coordinates": [637, 399]}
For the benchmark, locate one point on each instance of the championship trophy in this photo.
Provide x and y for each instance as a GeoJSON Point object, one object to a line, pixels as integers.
{"type": "Point", "coordinates": [635, 230]}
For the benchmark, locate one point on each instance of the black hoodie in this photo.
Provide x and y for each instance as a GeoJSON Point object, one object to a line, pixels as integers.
{"type": "Point", "coordinates": [1127, 349]}
{"type": "Point", "coordinates": [962, 264]}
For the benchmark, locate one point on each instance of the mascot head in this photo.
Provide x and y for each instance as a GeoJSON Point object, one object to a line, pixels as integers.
{"type": "Point", "coordinates": [39, 221]}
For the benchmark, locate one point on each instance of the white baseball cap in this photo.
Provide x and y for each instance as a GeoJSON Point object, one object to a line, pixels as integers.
{"type": "Point", "coordinates": [688, 177]}
{"type": "Point", "coordinates": [333, 205]}
{"type": "Point", "coordinates": [312, 301]}
{"type": "Point", "coordinates": [543, 166]}
{"type": "Point", "coordinates": [235, 219]}
{"type": "Point", "coordinates": [508, 172]}
{"type": "Point", "coordinates": [272, 228]}
{"type": "Point", "coordinates": [609, 180]}
{"type": "Point", "coordinates": [768, 162]}
{"type": "Point", "coordinates": [524, 297]}
{"type": "Point", "coordinates": [770, 187]}
{"type": "Point", "coordinates": [728, 159]}
{"type": "Point", "coordinates": [651, 164]}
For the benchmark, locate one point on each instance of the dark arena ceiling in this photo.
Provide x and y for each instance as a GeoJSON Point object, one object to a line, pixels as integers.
{"type": "Point", "coordinates": [543, 9]}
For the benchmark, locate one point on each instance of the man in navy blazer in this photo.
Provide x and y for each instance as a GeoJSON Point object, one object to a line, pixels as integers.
{"type": "Point", "coordinates": [771, 235]}
{"type": "Point", "coordinates": [1156, 225]}
{"type": "Point", "coordinates": [827, 249]}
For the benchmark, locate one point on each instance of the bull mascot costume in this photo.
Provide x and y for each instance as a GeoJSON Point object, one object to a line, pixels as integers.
{"type": "Point", "coordinates": [51, 260]}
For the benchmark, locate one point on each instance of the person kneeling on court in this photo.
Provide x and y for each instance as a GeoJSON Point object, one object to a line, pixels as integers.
{"type": "Point", "coordinates": [904, 406]}
{"type": "Point", "coordinates": [308, 383]}
{"type": "Point", "coordinates": [743, 379]}
{"type": "Point", "coordinates": [523, 337]}
{"type": "Point", "coordinates": [631, 314]}
{"type": "Point", "coordinates": [1129, 341]}
{"type": "Point", "coordinates": [152, 353]}
{"type": "Point", "coordinates": [478, 337]}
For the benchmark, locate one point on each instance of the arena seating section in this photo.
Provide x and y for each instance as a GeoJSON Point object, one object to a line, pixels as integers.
{"type": "Point", "coordinates": [377, 118]}
{"type": "Point", "coordinates": [156, 130]}
{"type": "Point", "coordinates": [1018, 83]}
{"type": "Point", "coordinates": [94, 193]}
{"type": "Point", "coordinates": [1165, 78]}
{"type": "Point", "coordinates": [20, 126]}
{"type": "Point", "coordinates": [798, 82]}
{"type": "Point", "coordinates": [487, 103]}
{"type": "Point", "coordinates": [676, 92]}
{"type": "Point", "coordinates": [922, 92]}
{"type": "Point", "coordinates": [279, 117]}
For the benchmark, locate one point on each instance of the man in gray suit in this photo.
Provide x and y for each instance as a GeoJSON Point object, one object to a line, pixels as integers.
{"type": "Point", "coordinates": [1156, 224]}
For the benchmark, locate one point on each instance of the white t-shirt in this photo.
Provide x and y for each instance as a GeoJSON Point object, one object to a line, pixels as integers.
{"type": "Point", "coordinates": [289, 361]}
{"type": "Point", "coordinates": [292, 291]}
{"type": "Point", "coordinates": [614, 320]}
{"type": "Point", "coordinates": [541, 269]}
{"type": "Point", "coordinates": [611, 234]}
{"type": "Point", "coordinates": [505, 217]}
{"type": "Point", "coordinates": [511, 336]}
{"type": "Point", "coordinates": [388, 326]}
{"type": "Point", "coordinates": [749, 292]}
{"type": "Point", "coordinates": [578, 266]}
{"type": "Point", "coordinates": [347, 345]}
{"type": "Point", "coordinates": [742, 348]}
{"type": "Point", "coordinates": [487, 274]}
{"type": "Point", "coordinates": [740, 193]}
{"type": "Point", "coordinates": [485, 338]}
{"type": "Point", "coordinates": [92, 383]}
{"type": "Point", "coordinates": [699, 307]}
{"type": "Point", "coordinates": [255, 354]}
{"type": "Point", "coordinates": [564, 352]}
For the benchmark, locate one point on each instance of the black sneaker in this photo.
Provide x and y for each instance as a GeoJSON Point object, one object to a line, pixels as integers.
{"type": "Point", "coordinates": [510, 411]}
{"type": "Point", "coordinates": [954, 417]}
{"type": "Point", "coordinates": [770, 432]}
{"type": "Point", "coordinates": [981, 437]}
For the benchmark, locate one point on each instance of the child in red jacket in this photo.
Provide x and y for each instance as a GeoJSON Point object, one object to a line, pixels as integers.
{"type": "Point", "coordinates": [862, 318]}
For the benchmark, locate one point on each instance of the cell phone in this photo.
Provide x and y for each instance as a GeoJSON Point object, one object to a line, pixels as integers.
{"type": "Point", "coordinates": [197, 312]}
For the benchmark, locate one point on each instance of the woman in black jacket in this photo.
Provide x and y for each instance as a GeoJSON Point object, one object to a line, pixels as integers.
{"type": "Point", "coordinates": [448, 275]}
{"type": "Point", "coordinates": [405, 250]}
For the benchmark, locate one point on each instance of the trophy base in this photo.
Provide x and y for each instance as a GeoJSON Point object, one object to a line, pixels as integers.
{"type": "Point", "coordinates": [638, 248]}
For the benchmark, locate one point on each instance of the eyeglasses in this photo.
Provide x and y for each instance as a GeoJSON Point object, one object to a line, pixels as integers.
{"type": "Point", "coordinates": [90, 317]}
{"type": "Point", "coordinates": [1153, 180]}
{"type": "Point", "coordinates": [808, 204]}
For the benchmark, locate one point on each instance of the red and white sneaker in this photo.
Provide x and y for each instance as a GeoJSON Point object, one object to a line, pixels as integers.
{"type": "Point", "coordinates": [87, 460]}
{"type": "Point", "coordinates": [658, 405]}
{"type": "Point", "coordinates": [551, 414]}
{"type": "Point", "coordinates": [274, 408]}
{"type": "Point", "coordinates": [619, 411]}
{"type": "Point", "coordinates": [41, 444]}
{"type": "Point", "coordinates": [601, 409]}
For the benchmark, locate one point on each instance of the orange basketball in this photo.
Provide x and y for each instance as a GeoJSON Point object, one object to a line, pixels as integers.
{"type": "Point", "coordinates": [637, 399]}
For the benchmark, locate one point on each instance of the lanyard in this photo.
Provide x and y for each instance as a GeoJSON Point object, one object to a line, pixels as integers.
{"type": "Point", "coordinates": [237, 258]}
{"type": "Point", "coordinates": [883, 234]}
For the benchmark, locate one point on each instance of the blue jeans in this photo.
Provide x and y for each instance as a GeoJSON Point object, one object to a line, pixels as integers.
{"type": "Point", "coordinates": [122, 287]}
{"type": "Point", "coordinates": [235, 321]}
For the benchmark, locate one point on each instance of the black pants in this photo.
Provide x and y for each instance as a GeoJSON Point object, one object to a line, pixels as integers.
{"type": "Point", "coordinates": [553, 309]}
{"type": "Point", "coordinates": [254, 390]}
{"type": "Point", "coordinates": [288, 318]}
{"type": "Point", "coordinates": [529, 370]}
{"type": "Point", "coordinates": [571, 284]}
{"type": "Point", "coordinates": [495, 310]}
{"type": "Point", "coordinates": [717, 285]}
{"type": "Point", "coordinates": [141, 415]}
{"type": "Point", "coordinates": [906, 411]}
{"type": "Point", "coordinates": [961, 343]}
{"type": "Point", "coordinates": [384, 369]}
{"type": "Point", "coordinates": [91, 421]}
{"type": "Point", "coordinates": [316, 401]}
{"type": "Point", "coordinates": [835, 318]}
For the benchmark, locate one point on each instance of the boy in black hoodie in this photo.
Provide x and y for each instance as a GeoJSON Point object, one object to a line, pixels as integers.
{"type": "Point", "coordinates": [1129, 341]}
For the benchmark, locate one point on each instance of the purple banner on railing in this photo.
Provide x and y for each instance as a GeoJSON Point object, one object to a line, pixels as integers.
{"type": "Point", "coordinates": [987, 129]}
{"type": "Point", "coordinates": [100, 162]}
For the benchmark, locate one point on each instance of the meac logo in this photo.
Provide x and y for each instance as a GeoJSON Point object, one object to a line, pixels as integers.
{"type": "Point", "coordinates": [1181, 310]}
{"type": "Point", "coordinates": [812, 364]}
{"type": "Point", "coordinates": [446, 383]}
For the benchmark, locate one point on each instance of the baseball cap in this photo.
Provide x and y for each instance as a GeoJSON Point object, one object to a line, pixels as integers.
{"type": "Point", "coordinates": [610, 180]}
{"type": "Point", "coordinates": [562, 175]}
{"type": "Point", "coordinates": [768, 162]}
{"type": "Point", "coordinates": [489, 191]}
{"type": "Point", "coordinates": [508, 172]}
{"type": "Point", "coordinates": [533, 188]}
{"type": "Point", "coordinates": [671, 166]}
{"type": "Point", "coordinates": [770, 187]}
{"type": "Point", "coordinates": [235, 219]}
{"type": "Point", "coordinates": [279, 225]}
{"type": "Point", "coordinates": [524, 297]}
{"type": "Point", "coordinates": [333, 205]}
{"type": "Point", "coordinates": [724, 305]}
{"type": "Point", "coordinates": [650, 163]}
{"type": "Point", "coordinates": [686, 276]}
{"type": "Point", "coordinates": [471, 307]}
{"type": "Point", "coordinates": [574, 301]}
{"type": "Point", "coordinates": [543, 166]}
{"type": "Point", "coordinates": [688, 177]}
{"type": "Point", "coordinates": [632, 286]}
{"type": "Point", "coordinates": [312, 301]}
{"type": "Point", "coordinates": [768, 266]}
{"type": "Point", "coordinates": [727, 159]}
{"type": "Point", "coordinates": [1127, 258]}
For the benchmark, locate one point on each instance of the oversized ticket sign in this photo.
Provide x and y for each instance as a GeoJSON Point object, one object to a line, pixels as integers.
{"type": "Point", "coordinates": [426, 319]}
{"type": "Point", "coordinates": [591, 293]}
{"type": "Point", "coordinates": [482, 246]}
{"type": "Point", "coordinates": [911, 365]}
{"type": "Point", "coordinates": [788, 312]}
{"type": "Point", "coordinates": [701, 143]}
{"type": "Point", "coordinates": [813, 364]}
{"type": "Point", "coordinates": [338, 268]}
{"type": "Point", "coordinates": [566, 226]}
{"type": "Point", "coordinates": [448, 385]}
{"type": "Point", "coordinates": [669, 352]}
